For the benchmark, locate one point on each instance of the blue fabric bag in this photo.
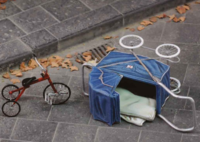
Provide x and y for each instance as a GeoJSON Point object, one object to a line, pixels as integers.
{"type": "Point", "coordinates": [123, 69]}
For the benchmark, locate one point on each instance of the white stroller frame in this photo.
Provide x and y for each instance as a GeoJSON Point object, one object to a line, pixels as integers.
{"type": "Point", "coordinates": [171, 92]}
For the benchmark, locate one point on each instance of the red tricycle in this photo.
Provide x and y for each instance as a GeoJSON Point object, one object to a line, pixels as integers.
{"type": "Point", "coordinates": [55, 93]}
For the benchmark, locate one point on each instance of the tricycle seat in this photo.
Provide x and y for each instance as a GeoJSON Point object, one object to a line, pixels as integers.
{"type": "Point", "coordinates": [27, 81]}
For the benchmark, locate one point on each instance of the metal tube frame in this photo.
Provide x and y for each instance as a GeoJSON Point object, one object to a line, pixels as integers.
{"type": "Point", "coordinates": [83, 79]}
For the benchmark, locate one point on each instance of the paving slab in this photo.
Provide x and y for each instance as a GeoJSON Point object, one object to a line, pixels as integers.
{"type": "Point", "coordinates": [190, 138]}
{"type": "Point", "coordinates": [64, 9]}
{"type": "Point", "coordinates": [194, 93]}
{"type": "Point", "coordinates": [30, 130]}
{"type": "Point", "coordinates": [159, 137]}
{"type": "Point", "coordinates": [116, 135]}
{"type": "Point", "coordinates": [41, 42]}
{"type": "Point", "coordinates": [12, 53]}
{"type": "Point", "coordinates": [6, 126]}
{"type": "Point", "coordinates": [33, 19]}
{"type": "Point", "coordinates": [72, 133]}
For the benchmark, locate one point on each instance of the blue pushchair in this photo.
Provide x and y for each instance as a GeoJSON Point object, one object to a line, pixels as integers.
{"type": "Point", "coordinates": [138, 74]}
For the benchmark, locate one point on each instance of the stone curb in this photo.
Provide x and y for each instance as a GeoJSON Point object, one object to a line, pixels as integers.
{"type": "Point", "coordinates": [95, 23]}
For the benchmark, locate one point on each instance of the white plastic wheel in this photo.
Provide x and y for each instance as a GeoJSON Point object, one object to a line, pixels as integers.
{"type": "Point", "coordinates": [168, 51]}
{"type": "Point", "coordinates": [175, 84]}
{"type": "Point", "coordinates": [132, 41]}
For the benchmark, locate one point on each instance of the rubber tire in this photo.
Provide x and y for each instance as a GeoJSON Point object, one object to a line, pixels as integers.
{"type": "Point", "coordinates": [15, 104]}
{"type": "Point", "coordinates": [58, 83]}
{"type": "Point", "coordinates": [9, 86]}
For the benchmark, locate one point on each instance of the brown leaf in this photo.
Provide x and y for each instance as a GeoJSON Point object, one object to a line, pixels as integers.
{"type": "Point", "coordinates": [76, 53]}
{"type": "Point", "coordinates": [74, 68]}
{"type": "Point", "coordinates": [146, 23]}
{"type": "Point", "coordinates": [161, 16]}
{"type": "Point", "coordinates": [51, 59]}
{"type": "Point", "coordinates": [107, 37]}
{"type": "Point", "coordinates": [24, 68]}
{"type": "Point", "coordinates": [153, 19]}
{"type": "Point", "coordinates": [108, 48]}
{"type": "Point", "coordinates": [32, 64]}
{"type": "Point", "coordinates": [19, 74]}
{"type": "Point", "coordinates": [140, 28]}
{"type": "Point", "coordinates": [197, 2]}
{"type": "Point", "coordinates": [79, 61]}
{"type": "Point", "coordinates": [3, 1]}
{"type": "Point", "coordinates": [6, 75]}
{"type": "Point", "coordinates": [186, 7]}
{"type": "Point", "coordinates": [176, 19]}
{"type": "Point", "coordinates": [116, 37]}
{"type": "Point", "coordinates": [14, 72]}
{"type": "Point", "coordinates": [181, 9]}
{"type": "Point", "coordinates": [67, 61]}
{"type": "Point", "coordinates": [54, 64]}
{"type": "Point", "coordinates": [14, 81]}
{"type": "Point", "coordinates": [69, 56]}
{"type": "Point", "coordinates": [64, 65]}
{"type": "Point", "coordinates": [45, 64]}
{"type": "Point", "coordinates": [132, 29]}
{"type": "Point", "coordinates": [87, 58]}
{"type": "Point", "coordinates": [58, 58]}
{"type": "Point", "coordinates": [171, 17]}
{"type": "Point", "coordinates": [43, 60]}
{"type": "Point", "coordinates": [87, 53]}
{"type": "Point", "coordinates": [182, 19]}
{"type": "Point", "coordinates": [3, 7]}
{"type": "Point", "coordinates": [127, 28]}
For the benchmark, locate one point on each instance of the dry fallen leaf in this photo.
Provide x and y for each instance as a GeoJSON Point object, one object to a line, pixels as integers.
{"type": "Point", "coordinates": [3, 1]}
{"type": "Point", "coordinates": [182, 19]}
{"type": "Point", "coordinates": [6, 75]}
{"type": "Point", "coordinates": [176, 19]}
{"type": "Point", "coordinates": [19, 74]}
{"type": "Point", "coordinates": [186, 7]}
{"type": "Point", "coordinates": [107, 37]}
{"type": "Point", "coordinates": [132, 29]}
{"type": "Point", "coordinates": [69, 56]}
{"type": "Point", "coordinates": [54, 64]}
{"type": "Point", "coordinates": [64, 65]}
{"type": "Point", "coordinates": [14, 72]}
{"type": "Point", "coordinates": [32, 64]}
{"type": "Point", "coordinates": [24, 68]}
{"type": "Point", "coordinates": [58, 58]}
{"type": "Point", "coordinates": [14, 81]}
{"type": "Point", "coordinates": [140, 28]}
{"type": "Point", "coordinates": [181, 9]}
{"type": "Point", "coordinates": [108, 48]}
{"type": "Point", "coordinates": [146, 23]}
{"type": "Point", "coordinates": [87, 53]}
{"type": "Point", "coordinates": [43, 60]}
{"type": "Point", "coordinates": [171, 17]}
{"type": "Point", "coordinates": [45, 64]}
{"type": "Point", "coordinates": [161, 16]}
{"type": "Point", "coordinates": [197, 2]}
{"type": "Point", "coordinates": [127, 28]}
{"type": "Point", "coordinates": [153, 19]}
{"type": "Point", "coordinates": [116, 37]}
{"type": "Point", "coordinates": [79, 61]}
{"type": "Point", "coordinates": [3, 7]}
{"type": "Point", "coordinates": [87, 58]}
{"type": "Point", "coordinates": [74, 68]}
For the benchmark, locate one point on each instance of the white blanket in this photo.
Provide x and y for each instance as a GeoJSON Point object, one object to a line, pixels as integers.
{"type": "Point", "coordinates": [136, 109]}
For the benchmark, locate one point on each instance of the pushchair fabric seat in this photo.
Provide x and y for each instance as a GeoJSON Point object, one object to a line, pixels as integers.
{"type": "Point", "coordinates": [119, 69]}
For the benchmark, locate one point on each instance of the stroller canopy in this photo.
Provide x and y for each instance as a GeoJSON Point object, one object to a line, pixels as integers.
{"type": "Point", "coordinates": [106, 76]}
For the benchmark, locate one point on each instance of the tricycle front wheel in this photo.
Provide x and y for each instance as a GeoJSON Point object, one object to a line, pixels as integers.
{"type": "Point", "coordinates": [5, 92]}
{"type": "Point", "coordinates": [62, 95]}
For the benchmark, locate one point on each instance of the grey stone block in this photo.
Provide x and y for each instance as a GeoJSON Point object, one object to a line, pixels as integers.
{"type": "Point", "coordinates": [72, 133]}
{"type": "Point", "coordinates": [30, 130]}
{"type": "Point", "coordinates": [71, 112]}
{"type": "Point", "coordinates": [33, 19]}
{"type": "Point", "coordinates": [41, 42]}
{"type": "Point", "coordinates": [158, 137]}
{"type": "Point", "coordinates": [175, 103]}
{"type": "Point", "coordinates": [192, 76]}
{"type": "Point", "coordinates": [64, 9]}
{"type": "Point", "coordinates": [26, 4]}
{"type": "Point", "coordinates": [13, 53]}
{"type": "Point", "coordinates": [182, 33]}
{"type": "Point", "coordinates": [194, 93]}
{"type": "Point", "coordinates": [34, 108]}
{"type": "Point", "coordinates": [94, 4]}
{"type": "Point", "coordinates": [9, 31]}
{"type": "Point", "coordinates": [6, 126]}
{"type": "Point", "coordinates": [117, 135]}
{"type": "Point", "coordinates": [87, 25]}
{"type": "Point", "coordinates": [11, 9]}
{"type": "Point", "coordinates": [158, 125]}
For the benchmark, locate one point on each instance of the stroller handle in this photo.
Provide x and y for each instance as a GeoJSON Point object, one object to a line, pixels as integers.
{"type": "Point", "coordinates": [83, 79]}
